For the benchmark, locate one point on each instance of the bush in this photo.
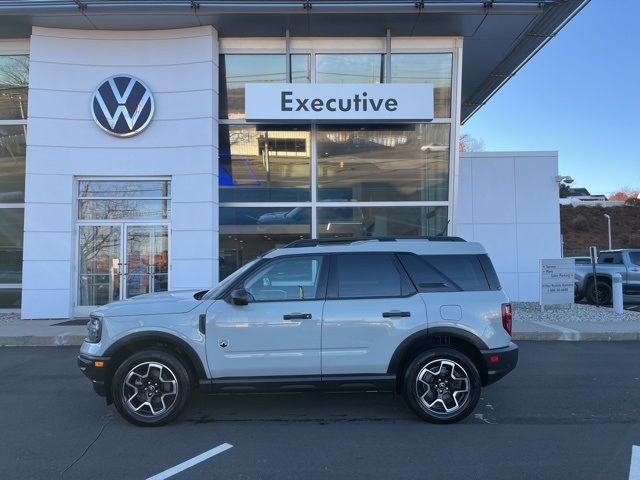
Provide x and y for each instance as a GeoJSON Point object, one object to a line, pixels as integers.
{"type": "Point", "coordinates": [632, 202]}
{"type": "Point", "coordinates": [580, 223]}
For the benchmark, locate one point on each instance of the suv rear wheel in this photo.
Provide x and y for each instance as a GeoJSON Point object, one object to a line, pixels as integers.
{"type": "Point", "coordinates": [442, 385]}
{"type": "Point", "coordinates": [150, 388]}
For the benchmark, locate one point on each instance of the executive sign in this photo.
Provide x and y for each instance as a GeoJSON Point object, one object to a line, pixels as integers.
{"type": "Point", "coordinates": [122, 105]}
{"type": "Point", "coordinates": [348, 102]}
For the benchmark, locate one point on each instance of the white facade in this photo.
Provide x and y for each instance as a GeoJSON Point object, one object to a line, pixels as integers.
{"type": "Point", "coordinates": [508, 201]}
{"type": "Point", "coordinates": [64, 144]}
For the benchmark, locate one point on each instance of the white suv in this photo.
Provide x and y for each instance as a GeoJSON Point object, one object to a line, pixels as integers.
{"type": "Point", "coordinates": [426, 317]}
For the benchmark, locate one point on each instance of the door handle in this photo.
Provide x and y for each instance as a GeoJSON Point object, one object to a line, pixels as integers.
{"type": "Point", "coordinates": [396, 313]}
{"type": "Point", "coordinates": [297, 316]}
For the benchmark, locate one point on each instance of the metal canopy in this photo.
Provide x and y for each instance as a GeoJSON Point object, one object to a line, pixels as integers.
{"type": "Point", "coordinates": [499, 35]}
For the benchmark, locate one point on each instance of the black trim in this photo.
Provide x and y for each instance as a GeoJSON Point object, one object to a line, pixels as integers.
{"type": "Point", "coordinates": [314, 242]}
{"type": "Point", "coordinates": [162, 337]}
{"type": "Point", "coordinates": [508, 361]}
{"type": "Point", "coordinates": [426, 335]}
{"type": "Point", "coordinates": [385, 382]}
{"type": "Point", "coordinates": [97, 375]}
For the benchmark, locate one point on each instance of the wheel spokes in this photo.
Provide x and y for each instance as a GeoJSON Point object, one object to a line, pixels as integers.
{"type": "Point", "coordinates": [149, 389]}
{"type": "Point", "coordinates": [443, 387]}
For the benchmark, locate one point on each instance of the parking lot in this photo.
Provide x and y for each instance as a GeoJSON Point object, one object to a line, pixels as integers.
{"type": "Point", "coordinates": [569, 409]}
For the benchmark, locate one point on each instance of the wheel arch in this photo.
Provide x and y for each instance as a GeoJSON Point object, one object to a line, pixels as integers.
{"type": "Point", "coordinates": [140, 340]}
{"type": "Point", "coordinates": [457, 338]}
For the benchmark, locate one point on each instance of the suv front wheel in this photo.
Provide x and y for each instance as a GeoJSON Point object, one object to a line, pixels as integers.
{"type": "Point", "coordinates": [150, 388]}
{"type": "Point", "coordinates": [442, 385]}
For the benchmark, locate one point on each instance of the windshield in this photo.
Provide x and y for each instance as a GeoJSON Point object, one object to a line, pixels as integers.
{"type": "Point", "coordinates": [215, 291]}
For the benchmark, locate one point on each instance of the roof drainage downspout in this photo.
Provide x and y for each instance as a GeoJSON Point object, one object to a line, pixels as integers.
{"type": "Point", "coordinates": [227, 8]}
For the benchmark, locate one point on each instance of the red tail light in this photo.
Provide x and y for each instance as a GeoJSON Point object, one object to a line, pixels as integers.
{"type": "Point", "coordinates": [507, 317]}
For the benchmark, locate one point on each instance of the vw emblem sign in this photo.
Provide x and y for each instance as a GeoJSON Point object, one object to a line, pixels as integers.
{"type": "Point", "coordinates": [122, 105]}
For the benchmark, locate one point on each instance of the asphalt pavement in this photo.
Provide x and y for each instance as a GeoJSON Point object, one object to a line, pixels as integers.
{"type": "Point", "coordinates": [569, 409]}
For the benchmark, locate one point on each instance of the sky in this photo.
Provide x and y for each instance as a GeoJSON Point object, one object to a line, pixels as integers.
{"type": "Point", "coordinates": [579, 95]}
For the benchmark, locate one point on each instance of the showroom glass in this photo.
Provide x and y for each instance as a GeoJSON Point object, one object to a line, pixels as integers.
{"type": "Point", "coordinates": [366, 275]}
{"type": "Point", "coordinates": [383, 163]}
{"type": "Point", "coordinates": [14, 84]}
{"type": "Point", "coordinates": [111, 200]}
{"type": "Point", "coordinates": [11, 232]}
{"type": "Point", "coordinates": [349, 68]}
{"type": "Point", "coordinates": [434, 68]}
{"type": "Point", "coordinates": [248, 232]}
{"type": "Point", "coordinates": [294, 278]}
{"type": "Point", "coordinates": [12, 163]}
{"type": "Point", "coordinates": [257, 165]}
{"type": "Point", "coordinates": [300, 68]}
{"type": "Point", "coordinates": [381, 221]}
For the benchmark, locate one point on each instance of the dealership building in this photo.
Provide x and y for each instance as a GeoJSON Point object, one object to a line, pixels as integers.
{"type": "Point", "coordinates": [154, 145]}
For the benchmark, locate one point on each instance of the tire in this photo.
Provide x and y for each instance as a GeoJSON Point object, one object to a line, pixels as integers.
{"type": "Point", "coordinates": [605, 294]}
{"type": "Point", "coordinates": [150, 388]}
{"type": "Point", "coordinates": [577, 296]}
{"type": "Point", "coordinates": [438, 393]}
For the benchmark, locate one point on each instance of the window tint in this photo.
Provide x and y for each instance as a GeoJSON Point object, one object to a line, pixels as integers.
{"type": "Point", "coordinates": [464, 270]}
{"type": "Point", "coordinates": [294, 278]}
{"type": "Point", "coordinates": [634, 257]}
{"type": "Point", "coordinates": [368, 275]}
{"type": "Point", "coordinates": [426, 277]}
{"type": "Point", "coordinates": [610, 258]}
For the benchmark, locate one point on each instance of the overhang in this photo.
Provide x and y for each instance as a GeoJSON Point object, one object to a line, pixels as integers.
{"type": "Point", "coordinates": [500, 36]}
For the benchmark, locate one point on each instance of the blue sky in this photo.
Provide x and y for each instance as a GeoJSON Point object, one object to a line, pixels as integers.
{"type": "Point", "coordinates": [580, 95]}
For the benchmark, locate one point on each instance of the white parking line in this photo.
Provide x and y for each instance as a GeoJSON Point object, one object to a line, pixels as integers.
{"type": "Point", "coordinates": [170, 472]}
{"type": "Point", "coordinates": [567, 333]}
{"type": "Point", "coordinates": [634, 469]}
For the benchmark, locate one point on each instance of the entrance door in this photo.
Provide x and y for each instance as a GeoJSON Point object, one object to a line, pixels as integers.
{"type": "Point", "coordinates": [120, 261]}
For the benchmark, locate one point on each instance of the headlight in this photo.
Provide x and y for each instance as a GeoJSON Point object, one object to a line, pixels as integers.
{"type": "Point", "coordinates": [95, 329]}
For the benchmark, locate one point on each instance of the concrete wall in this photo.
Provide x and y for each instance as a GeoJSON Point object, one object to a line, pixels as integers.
{"type": "Point", "coordinates": [181, 69]}
{"type": "Point", "coordinates": [508, 201]}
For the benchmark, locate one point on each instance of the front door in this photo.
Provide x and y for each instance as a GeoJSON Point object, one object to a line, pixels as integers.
{"type": "Point", "coordinates": [278, 333]}
{"type": "Point", "coordinates": [117, 261]}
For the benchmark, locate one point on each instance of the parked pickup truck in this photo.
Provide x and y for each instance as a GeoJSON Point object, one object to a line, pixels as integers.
{"type": "Point", "coordinates": [624, 262]}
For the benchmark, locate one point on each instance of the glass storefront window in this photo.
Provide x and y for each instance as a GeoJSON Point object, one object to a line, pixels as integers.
{"type": "Point", "coordinates": [258, 165]}
{"type": "Point", "coordinates": [381, 221]}
{"type": "Point", "coordinates": [300, 68]}
{"type": "Point", "coordinates": [11, 232]}
{"type": "Point", "coordinates": [248, 232]}
{"type": "Point", "coordinates": [10, 298]}
{"type": "Point", "coordinates": [385, 163]}
{"type": "Point", "coordinates": [238, 70]}
{"type": "Point", "coordinates": [115, 188]}
{"type": "Point", "coordinates": [14, 86]}
{"type": "Point", "coordinates": [349, 68]}
{"type": "Point", "coordinates": [117, 200]}
{"type": "Point", "coordinates": [12, 163]}
{"type": "Point", "coordinates": [434, 68]}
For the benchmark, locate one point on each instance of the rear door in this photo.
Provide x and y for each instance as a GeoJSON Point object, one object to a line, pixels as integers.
{"type": "Point", "coordinates": [633, 272]}
{"type": "Point", "coordinates": [371, 307]}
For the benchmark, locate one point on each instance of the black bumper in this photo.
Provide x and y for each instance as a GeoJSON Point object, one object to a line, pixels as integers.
{"type": "Point", "coordinates": [97, 375]}
{"type": "Point", "coordinates": [499, 362]}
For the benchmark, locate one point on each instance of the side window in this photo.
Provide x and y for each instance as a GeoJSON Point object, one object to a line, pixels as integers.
{"type": "Point", "coordinates": [464, 270]}
{"type": "Point", "coordinates": [426, 278]}
{"type": "Point", "coordinates": [368, 275]}
{"type": "Point", "coordinates": [291, 278]}
{"type": "Point", "coordinates": [635, 258]}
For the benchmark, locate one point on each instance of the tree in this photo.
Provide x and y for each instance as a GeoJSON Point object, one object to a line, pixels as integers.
{"type": "Point", "coordinates": [467, 143]}
{"type": "Point", "coordinates": [624, 194]}
{"type": "Point", "coordinates": [564, 190]}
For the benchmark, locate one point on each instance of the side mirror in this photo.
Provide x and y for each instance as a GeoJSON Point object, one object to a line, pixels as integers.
{"type": "Point", "coordinates": [240, 296]}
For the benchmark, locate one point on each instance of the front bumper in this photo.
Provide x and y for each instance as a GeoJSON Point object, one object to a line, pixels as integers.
{"type": "Point", "coordinates": [95, 371]}
{"type": "Point", "coordinates": [499, 362]}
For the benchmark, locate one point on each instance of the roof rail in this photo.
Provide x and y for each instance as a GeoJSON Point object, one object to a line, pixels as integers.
{"type": "Point", "coordinates": [315, 242]}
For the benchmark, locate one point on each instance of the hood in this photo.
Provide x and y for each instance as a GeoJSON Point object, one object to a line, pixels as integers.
{"type": "Point", "coordinates": [178, 301]}
{"type": "Point", "coordinates": [274, 217]}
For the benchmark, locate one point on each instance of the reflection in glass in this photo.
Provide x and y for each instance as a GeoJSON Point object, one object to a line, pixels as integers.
{"type": "Point", "coordinates": [10, 297]}
{"type": "Point", "coordinates": [434, 68]}
{"type": "Point", "coordinates": [14, 85]}
{"type": "Point", "coordinates": [120, 209]}
{"type": "Point", "coordinates": [237, 70]}
{"type": "Point", "coordinates": [264, 165]}
{"type": "Point", "coordinates": [248, 232]}
{"type": "Point", "coordinates": [388, 163]}
{"type": "Point", "coordinates": [99, 264]}
{"type": "Point", "coordinates": [300, 68]}
{"type": "Point", "coordinates": [12, 163]}
{"type": "Point", "coordinates": [382, 221]}
{"type": "Point", "coordinates": [114, 188]}
{"type": "Point", "coordinates": [147, 259]}
{"type": "Point", "coordinates": [294, 278]}
{"type": "Point", "coordinates": [11, 230]}
{"type": "Point", "coordinates": [349, 68]}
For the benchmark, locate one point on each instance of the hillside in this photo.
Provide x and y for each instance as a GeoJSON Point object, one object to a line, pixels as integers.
{"type": "Point", "coordinates": [582, 227]}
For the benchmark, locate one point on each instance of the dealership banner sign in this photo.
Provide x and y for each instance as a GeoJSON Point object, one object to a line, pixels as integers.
{"type": "Point", "coordinates": [342, 102]}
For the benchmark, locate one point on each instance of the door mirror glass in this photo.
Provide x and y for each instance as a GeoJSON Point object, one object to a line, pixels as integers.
{"type": "Point", "coordinates": [240, 297]}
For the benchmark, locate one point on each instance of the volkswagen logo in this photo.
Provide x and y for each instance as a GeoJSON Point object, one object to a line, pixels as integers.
{"type": "Point", "coordinates": [122, 105]}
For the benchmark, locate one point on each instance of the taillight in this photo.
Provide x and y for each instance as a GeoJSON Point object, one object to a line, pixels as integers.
{"type": "Point", "coordinates": [507, 317]}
